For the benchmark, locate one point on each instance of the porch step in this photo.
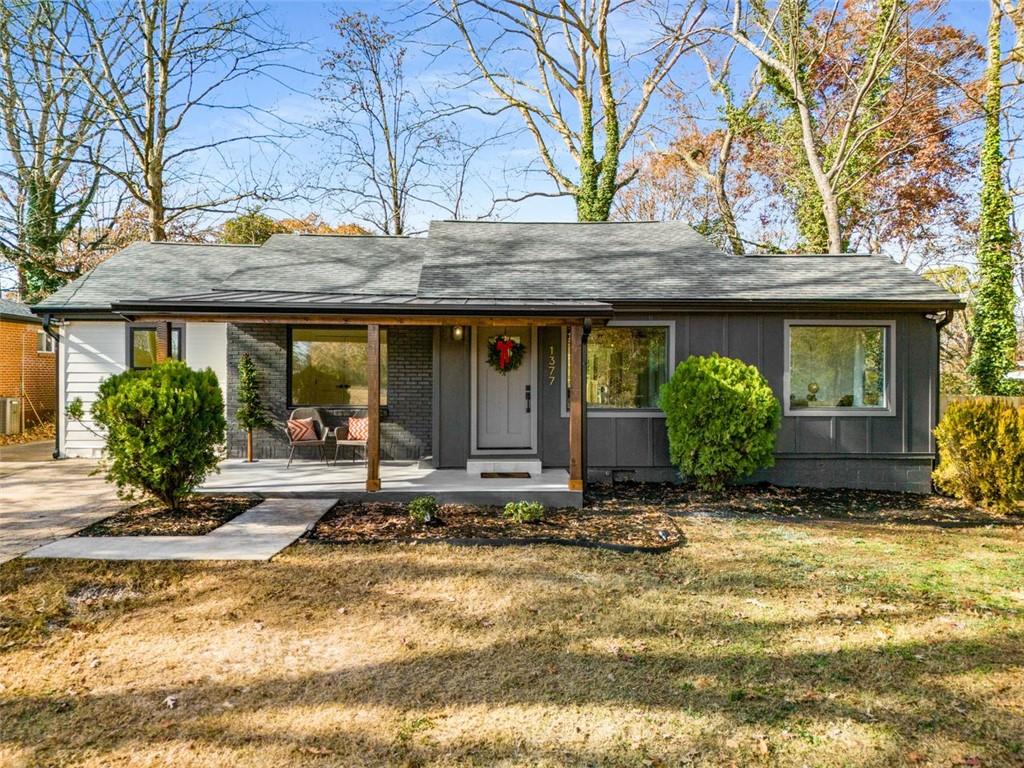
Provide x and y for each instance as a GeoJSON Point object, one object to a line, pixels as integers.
{"type": "Point", "coordinates": [499, 464]}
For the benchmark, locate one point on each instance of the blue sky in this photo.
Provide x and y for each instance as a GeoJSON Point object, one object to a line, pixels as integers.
{"type": "Point", "coordinates": [309, 22]}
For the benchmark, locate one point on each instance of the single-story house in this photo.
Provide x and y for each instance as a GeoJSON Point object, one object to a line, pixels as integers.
{"type": "Point", "coordinates": [27, 368]}
{"type": "Point", "coordinates": [597, 316]}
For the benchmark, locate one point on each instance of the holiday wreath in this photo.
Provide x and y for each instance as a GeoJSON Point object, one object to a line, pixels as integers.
{"type": "Point", "coordinates": [504, 353]}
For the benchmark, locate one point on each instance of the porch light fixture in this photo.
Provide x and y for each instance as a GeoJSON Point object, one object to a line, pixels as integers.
{"type": "Point", "coordinates": [457, 333]}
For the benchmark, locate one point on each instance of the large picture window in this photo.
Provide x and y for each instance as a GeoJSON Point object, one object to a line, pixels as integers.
{"type": "Point", "coordinates": [838, 367]}
{"type": "Point", "coordinates": [327, 367]}
{"type": "Point", "coordinates": [626, 366]}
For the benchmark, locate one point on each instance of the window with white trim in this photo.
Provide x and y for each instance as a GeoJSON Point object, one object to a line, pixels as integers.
{"type": "Point", "coordinates": [838, 366]}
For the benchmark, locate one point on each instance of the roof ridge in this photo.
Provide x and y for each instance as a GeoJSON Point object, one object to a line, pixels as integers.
{"type": "Point", "coordinates": [553, 223]}
{"type": "Point", "coordinates": [204, 245]}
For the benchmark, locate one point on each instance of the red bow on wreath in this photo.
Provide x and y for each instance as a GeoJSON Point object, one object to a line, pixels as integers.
{"type": "Point", "coordinates": [505, 347]}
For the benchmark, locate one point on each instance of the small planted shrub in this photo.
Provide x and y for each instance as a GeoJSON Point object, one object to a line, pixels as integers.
{"type": "Point", "coordinates": [423, 510]}
{"type": "Point", "coordinates": [163, 428]}
{"type": "Point", "coordinates": [981, 453]}
{"type": "Point", "coordinates": [524, 511]}
{"type": "Point", "coordinates": [722, 418]}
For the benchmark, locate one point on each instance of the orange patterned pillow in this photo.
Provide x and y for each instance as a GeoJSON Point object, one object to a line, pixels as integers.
{"type": "Point", "coordinates": [300, 430]}
{"type": "Point", "coordinates": [358, 429]}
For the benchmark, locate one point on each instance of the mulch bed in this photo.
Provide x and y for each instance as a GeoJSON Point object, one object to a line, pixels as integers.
{"type": "Point", "coordinates": [807, 503]}
{"type": "Point", "coordinates": [199, 516]}
{"type": "Point", "coordinates": [370, 523]}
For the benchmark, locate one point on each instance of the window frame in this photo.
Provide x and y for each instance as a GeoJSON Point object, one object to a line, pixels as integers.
{"type": "Point", "coordinates": [618, 412]}
{"type": "Point", "coordinates": [291, 405]}
{"type": "Point", "coordinates": [180, 330]}
{"type": "Point", "coordinates": [890, 368]}
{"type": "Point", "coordinates": [49, 344]}
{"type": "Point", "coordinates": [130, 343]}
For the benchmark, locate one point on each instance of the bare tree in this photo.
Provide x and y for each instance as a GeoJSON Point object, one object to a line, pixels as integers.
{"type": "Point", "coordinates": [151, 64]}
{"type": "Point", "coordinates": [575, 59]}
{"type": "Point", "coordinates": [391, 154]}
{"type": "Point", "coordinates": [53, 129]}
{"type": "Point", "coordinates": [386, 144]}
{"type": "Point", "coordinates": [709, 155]}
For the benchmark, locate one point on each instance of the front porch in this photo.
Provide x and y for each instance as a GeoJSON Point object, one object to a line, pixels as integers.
{"type": "Point", "coordinates": [399, 481]}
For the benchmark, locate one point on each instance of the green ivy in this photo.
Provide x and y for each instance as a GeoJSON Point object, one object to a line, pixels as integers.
{"type": "Point", "coordinates": [994, 327]}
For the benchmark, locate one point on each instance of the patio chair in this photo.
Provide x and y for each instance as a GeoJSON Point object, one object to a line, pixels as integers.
{"type": "Point", "coordinates": [354, 433]}
{"type": "Point", "coordinates": [300, 436]}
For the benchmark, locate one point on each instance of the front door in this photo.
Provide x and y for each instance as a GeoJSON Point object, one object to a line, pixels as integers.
{"type": "Point", "coordinates": [503, 419]}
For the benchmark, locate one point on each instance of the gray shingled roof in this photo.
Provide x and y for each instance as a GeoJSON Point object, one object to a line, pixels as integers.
{"type": "Point", "coordinates": [149, 269]}
{"type": "Point", "coordinates": [15, 310]}
{"type": "Point", "coordinates": [481, 261]}
{"type": "Point", "coordinates": [665, 261]}
{"type": "Point", "coordinates": [333, 264]}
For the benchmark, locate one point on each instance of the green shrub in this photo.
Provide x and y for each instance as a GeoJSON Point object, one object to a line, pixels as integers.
{"type": "Point", "coordinates": [981, 453]}
{"type": "Point", "coordinates": [524, 511]}
{"type": "Point", "coordinates": [423, 509]}
{"type": "Point", "coordinates": [163, 427]}
{"type": "Point", "coordinates": [722, 418]}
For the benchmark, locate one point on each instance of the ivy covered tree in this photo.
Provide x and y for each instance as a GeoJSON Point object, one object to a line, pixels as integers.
{"type": "Point", "coordinates": [994, 326]}
{"type": "Point", "coordinates": [251, 414]}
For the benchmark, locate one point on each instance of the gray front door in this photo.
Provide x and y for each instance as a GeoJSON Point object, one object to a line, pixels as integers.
{"type": "Point", "coordinates": [503, 418]}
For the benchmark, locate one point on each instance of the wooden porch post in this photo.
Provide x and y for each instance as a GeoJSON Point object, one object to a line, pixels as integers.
{"type": "Point", "coordinates": [373, 407]}
{"type": "Point", "coordinates": [576, 415]}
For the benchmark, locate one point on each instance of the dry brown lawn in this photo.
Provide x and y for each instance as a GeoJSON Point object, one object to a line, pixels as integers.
{"type": "Point", "coordinates": [825, 643]}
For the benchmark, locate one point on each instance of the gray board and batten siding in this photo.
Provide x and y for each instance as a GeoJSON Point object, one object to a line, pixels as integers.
{"type": "Point", "coordinates": [890, 450]}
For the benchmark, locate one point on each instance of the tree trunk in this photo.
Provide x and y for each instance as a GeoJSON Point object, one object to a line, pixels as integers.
{"type": "Point", "coordinates": [248, 446]}
{"type": "Point", "coordinates": [728, 218]}
{"type": "Point", "coordinates": [157, 213]}
{"type": "Point", "coordinates": [829, 204]}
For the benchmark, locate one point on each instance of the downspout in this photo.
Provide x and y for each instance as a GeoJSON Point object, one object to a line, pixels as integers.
{"type": "Point", "coordinates": [587, 326]}
{"type": "Point", "coordinates": [47, 319]}
{"type": "Point", "coordinates": [940, 323]}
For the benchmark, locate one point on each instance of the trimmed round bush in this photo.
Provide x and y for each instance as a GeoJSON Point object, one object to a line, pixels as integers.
{"type": "Point", "coordinates": [981, 453]}
{"type": "Point", "coordinates": [722, 418]}
{"type": "Point", "coordinates": [164, 426]}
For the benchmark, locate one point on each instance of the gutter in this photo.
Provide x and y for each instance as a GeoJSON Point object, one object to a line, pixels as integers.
{"type": "Point", "coordinates": [47, 320]}
{"type": "Point", "coordinates": [947, 318]}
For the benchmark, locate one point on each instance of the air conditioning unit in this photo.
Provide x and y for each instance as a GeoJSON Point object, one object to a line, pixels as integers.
{"type": "Point", "coordinates": [10, 415]}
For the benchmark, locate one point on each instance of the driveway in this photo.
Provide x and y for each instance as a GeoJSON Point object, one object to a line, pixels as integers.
{"type": "Point", "coordinates": [45, 500]}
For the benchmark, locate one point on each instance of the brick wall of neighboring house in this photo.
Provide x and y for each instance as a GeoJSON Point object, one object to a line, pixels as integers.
{"type": "Point", "coordinates": [25, 372]}
{"type": "Point", "coordinates": [405, 424]}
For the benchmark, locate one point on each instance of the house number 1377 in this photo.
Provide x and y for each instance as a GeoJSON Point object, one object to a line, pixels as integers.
{"type": "Point", "coordinates": [552, 364]}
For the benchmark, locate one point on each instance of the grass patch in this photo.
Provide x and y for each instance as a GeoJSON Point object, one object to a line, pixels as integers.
{"type": "Point", "coordinates": [198, 516]}
{"type": "Point", "coordinates": [762, 642]}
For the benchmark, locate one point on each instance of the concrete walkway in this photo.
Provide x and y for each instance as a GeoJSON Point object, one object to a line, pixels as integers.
{"type": "Point", "coordinates": [258, 534]}
{"type": "Point", "coordinates": [47, 500]}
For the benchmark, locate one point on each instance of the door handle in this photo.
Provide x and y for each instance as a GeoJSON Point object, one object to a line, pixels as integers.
{"type": "Point", "coordinates": [527, 398]}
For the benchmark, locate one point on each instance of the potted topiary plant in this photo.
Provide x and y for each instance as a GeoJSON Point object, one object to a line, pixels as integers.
{"type": "Point", "coordinates": [251, 414]}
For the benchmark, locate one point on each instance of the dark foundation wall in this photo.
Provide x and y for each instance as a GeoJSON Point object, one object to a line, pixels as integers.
{"type": "Point", "coordinates": [884, 452]}
{"type": "Point", "coordinates": [406, 421]}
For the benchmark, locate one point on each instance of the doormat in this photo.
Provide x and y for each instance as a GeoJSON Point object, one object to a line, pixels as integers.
{"type": "Point", "coordinates": [492, 475]}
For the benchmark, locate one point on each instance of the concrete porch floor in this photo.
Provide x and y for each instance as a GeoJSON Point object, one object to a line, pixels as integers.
{"type": "Point", "coordinates": [400, 481]}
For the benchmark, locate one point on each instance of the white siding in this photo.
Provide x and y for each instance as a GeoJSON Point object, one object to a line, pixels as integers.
{"type": "Point", "coordinates": [92, 352]}
{"type": "Point", "coordinates": [206, 346]}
